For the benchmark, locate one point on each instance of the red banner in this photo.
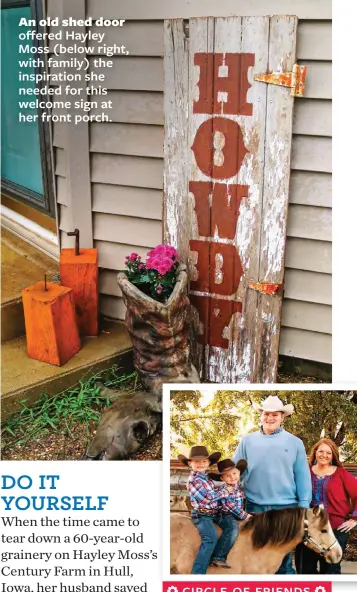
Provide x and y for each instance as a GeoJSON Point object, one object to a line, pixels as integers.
{"type": "Point", "coordinates": [224, 586]}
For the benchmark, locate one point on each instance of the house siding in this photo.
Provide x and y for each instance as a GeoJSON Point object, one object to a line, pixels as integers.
{"type": "Point", "coordinates": [126, 160]}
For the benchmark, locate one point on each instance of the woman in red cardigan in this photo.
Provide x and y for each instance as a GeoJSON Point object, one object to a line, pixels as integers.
{"type": "Point", "coordinates": [336, 489]}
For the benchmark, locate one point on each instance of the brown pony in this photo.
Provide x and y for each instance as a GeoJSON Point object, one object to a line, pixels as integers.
{"type": "Point", "coordinates": [263, 541]}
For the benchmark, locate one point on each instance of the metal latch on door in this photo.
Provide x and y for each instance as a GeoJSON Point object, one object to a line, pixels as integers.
{"type": "Point", "coordinates": [294, 80]}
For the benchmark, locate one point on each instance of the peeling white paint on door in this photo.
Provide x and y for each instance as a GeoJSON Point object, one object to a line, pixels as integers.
{"type": "Point", "coordinates": [264, 118]}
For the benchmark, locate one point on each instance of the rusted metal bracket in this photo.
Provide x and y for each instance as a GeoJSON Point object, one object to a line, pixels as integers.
{"type": "Point", "coordinates": [266, 288]}
{"type": "Point", "coordinates": [76, 234]}
{"type": "Point", "coordinates": [294, 80]}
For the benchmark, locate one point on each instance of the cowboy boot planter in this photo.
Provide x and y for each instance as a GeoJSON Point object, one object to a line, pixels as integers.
{"type": "Point", "coordinates": [160, 334]}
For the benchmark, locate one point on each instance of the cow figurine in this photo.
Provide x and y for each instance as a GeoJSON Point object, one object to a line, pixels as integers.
{"type": "Point", "coordinates": [125, 425]}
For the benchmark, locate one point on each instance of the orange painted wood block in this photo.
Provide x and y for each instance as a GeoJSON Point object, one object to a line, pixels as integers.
{"type": "Point", "coordinates": [80, 272]}
{"type": "Point", "coordinates": [50, 319]}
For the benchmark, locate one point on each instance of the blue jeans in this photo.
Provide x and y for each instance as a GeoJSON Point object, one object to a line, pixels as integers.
{"type": "Point", "coordinates": [211, 546]}
{"type": "Point", "coordinates": [286, 566]}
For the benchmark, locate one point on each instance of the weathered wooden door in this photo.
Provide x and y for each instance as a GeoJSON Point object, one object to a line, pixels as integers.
{"type": "Point", "coordinates": [226, 184]}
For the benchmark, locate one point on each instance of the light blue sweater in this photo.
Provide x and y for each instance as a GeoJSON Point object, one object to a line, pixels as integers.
{"type": "Point", "coordinates": [278, 471]}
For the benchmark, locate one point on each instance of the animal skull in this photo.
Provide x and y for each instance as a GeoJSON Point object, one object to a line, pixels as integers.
{"type": "Point", "coordinates": [125, 425]}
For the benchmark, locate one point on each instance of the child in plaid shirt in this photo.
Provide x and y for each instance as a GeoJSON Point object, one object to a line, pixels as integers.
{"type": "Point", "coordinates": [207, 510]}
{"type": "Point", "coordinates": [229, 473]}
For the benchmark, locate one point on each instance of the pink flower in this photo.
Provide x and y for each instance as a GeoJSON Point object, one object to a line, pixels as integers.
{"type": "Point", "coordinates": [161, 259]}
{"type": "Point", "coordinates": [171, 252]}
{"type": "Point", "coordinates": [153, 262]}
{"type": "Point", "coordinates": [169, 262]}
{"type": "Point", "coordinates": [164, 250]}
{"type": "Point", "coordinates": [160, 249]}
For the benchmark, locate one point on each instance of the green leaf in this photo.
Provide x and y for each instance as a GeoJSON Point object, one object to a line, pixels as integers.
{"type": "Point", "coordinates": [8, 429]}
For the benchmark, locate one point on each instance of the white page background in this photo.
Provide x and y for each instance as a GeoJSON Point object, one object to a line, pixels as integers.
{"type": "Point", "coordinates": [134, 490]}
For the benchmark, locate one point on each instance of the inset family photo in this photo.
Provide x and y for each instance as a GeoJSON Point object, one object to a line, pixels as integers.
{"type": "Point", "coordinates": [263, 482]}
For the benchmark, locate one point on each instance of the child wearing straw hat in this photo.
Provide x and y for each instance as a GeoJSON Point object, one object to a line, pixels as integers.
{"type": "Point", "coordinates": [206, 511]}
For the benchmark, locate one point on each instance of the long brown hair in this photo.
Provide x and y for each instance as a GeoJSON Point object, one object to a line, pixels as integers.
{"type": "Point", "coordinates": [335, 454]}
{"type": "Point", "coordinates": [277, 527]}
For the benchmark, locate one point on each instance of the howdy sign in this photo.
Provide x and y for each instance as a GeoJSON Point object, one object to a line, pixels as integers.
{"type": "Point", "coordinates": [219, 152]}
{"type": "Point", "coordinates": [226, 185]}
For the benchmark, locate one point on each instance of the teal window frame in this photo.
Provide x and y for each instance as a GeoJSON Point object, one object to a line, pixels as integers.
{"type": "Point", "coordinates": [46, 203]}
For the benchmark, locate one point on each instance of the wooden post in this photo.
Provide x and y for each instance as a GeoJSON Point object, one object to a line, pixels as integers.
{"type": "Point", "coordinates": [80, 272]}
{"type": "Point", "coordinates": [51, 329]}
{"type": "Point", "coordinates": [226, 179]}
{"type": "Point", "coordinates": [77, 148]}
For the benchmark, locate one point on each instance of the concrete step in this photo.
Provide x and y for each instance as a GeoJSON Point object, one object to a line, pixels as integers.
{"type": "Point", "coordinates": [21, 265]}
{"type": "Point", "coordinates": [24, 378]}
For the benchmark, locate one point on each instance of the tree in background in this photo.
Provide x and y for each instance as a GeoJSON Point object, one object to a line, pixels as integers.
{"type": "Point", "coordinates": [222, 421]}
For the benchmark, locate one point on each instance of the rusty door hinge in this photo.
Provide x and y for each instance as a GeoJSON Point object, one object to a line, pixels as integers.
{"type": "Point", "coordinates": [266, 288]}
{"type": "Point", "coordinates": [294, 80]}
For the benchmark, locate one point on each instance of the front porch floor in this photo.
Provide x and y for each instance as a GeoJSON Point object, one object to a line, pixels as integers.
{"type": "Point", "coordinates": [25, 378]}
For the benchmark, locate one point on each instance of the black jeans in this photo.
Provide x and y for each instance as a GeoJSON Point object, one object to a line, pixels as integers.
{"type": "Point", "coordinates": [307, 561]}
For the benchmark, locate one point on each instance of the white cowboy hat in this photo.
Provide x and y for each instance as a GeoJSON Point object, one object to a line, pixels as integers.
{"type": "Point", "coordinates": [273, 403]}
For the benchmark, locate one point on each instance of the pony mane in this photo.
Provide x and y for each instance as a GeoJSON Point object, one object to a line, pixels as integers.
{"type": "Point", "coordinates": [277, 527]}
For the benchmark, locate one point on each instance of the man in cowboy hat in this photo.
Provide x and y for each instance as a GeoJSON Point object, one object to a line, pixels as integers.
{"type": "Point", "coordinates": [206, 511]}
{"type": "Point", "coordinates": [278, 472]}
{"type": "Point", "coordinates": [230, 472]}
